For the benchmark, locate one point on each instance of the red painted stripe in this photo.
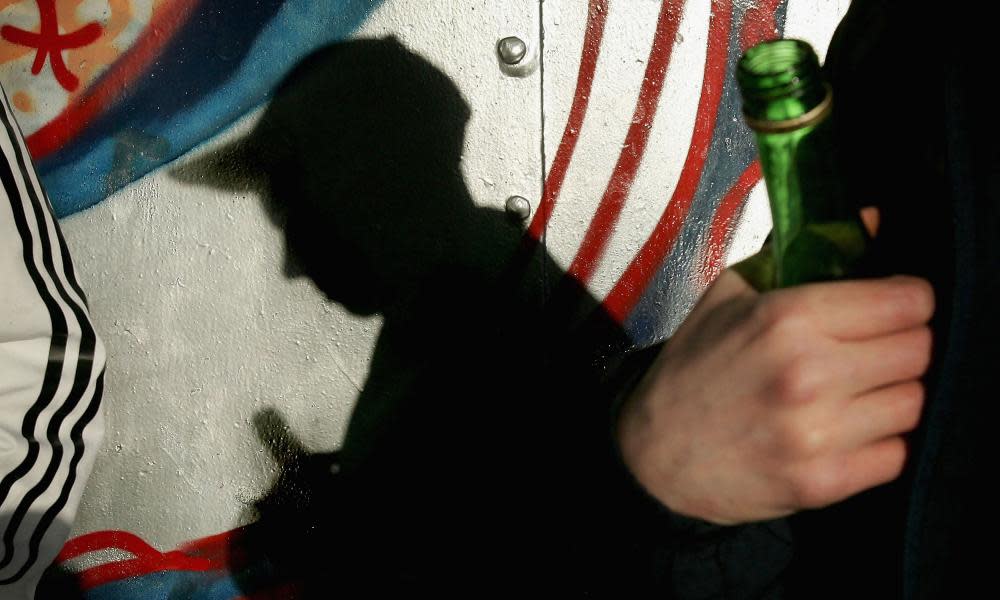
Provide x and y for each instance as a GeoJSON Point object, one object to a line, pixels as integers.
{"type": "Point", "coordinates": [226, 548]}
{"type": "Point", "coordinates": [597, 16]}
{"type": "Point", "coordinates": [102, 540]}
{"type": "Point", "coordinates": [96, 99]}
{"type": "Point", "coordinates": [212, 553]}
{"type": "Point", "coordinates": [720, 232]}
{"type": "Point", "coordinates": [759, 24]}
{"type": "Point", "coordinates": [609, 209]}
{"type": "Point", "coordinates": [632, 283]}
{"type": "Point", "coordinates": [147, 559]}
{"type": "Point", "coordinates": [117, 571]}
{"type": "Point", "coordinates": [213, 544]}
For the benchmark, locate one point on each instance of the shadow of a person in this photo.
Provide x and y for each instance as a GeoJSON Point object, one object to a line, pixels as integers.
{"type": "Point", "coordinates": [479, 452]}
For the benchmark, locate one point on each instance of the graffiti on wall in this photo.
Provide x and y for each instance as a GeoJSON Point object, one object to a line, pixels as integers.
{"type": "Point", "coordinates": [204, 568]}
{"type": "Point", "coordinates": [110, 90]}
{"type": "Point", "coordinates": [144, 81]}
{"type": "Point", "coordinates": [147, 81]}
{"type": "Point", "coordinates": [687, 245]}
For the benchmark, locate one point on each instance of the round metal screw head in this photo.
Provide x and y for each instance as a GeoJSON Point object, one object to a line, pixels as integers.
{"type": "Point", "coordinates": [512, 50]}
{"type": "Point", "coordinates": [518, 208]}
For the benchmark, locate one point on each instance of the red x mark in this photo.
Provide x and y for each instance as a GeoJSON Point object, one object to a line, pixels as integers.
{"type": "Point", "coordinates": [50, 43]}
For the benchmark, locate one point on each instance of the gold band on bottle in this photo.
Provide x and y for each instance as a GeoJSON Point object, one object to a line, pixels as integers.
{"type": "Point", "coordinates": [813, 116]}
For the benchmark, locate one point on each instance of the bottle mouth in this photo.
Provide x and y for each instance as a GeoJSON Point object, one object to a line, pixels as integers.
{"type": "Point", "coordinates": [777, 68]}
{"type": "Point", "coordinates": [777, 57]}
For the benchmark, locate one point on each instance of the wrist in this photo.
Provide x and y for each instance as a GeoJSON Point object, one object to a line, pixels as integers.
{"type": "Point", "coordinates": [635, 436]}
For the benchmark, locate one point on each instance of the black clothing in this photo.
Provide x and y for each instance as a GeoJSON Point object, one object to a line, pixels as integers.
{"type": "Point", "coordinates": [916, 137]}
{"type": "Point", "coordinates": [477, 461]}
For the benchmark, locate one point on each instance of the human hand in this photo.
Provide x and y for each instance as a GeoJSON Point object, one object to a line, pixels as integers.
{"type": "Point", "coordinates": [762, 405]}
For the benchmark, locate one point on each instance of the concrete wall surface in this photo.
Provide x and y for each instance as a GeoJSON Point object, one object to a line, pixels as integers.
{"type": "Point", "coordinates": [612, 137]}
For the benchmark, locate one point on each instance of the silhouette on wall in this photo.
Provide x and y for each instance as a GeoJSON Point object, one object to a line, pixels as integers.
{"type": "Point", "coordinates": [479, 449]}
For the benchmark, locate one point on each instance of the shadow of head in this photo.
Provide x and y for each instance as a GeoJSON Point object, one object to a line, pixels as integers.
{"type": "Point", "coordinates": [358, 156]}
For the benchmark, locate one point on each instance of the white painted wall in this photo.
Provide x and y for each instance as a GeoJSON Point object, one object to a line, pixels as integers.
{"type": "Point", "coordinates": [203, 329]}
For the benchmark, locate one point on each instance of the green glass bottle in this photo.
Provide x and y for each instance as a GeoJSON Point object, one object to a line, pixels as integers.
{"type": "Point", "coordinates": [817, 232]}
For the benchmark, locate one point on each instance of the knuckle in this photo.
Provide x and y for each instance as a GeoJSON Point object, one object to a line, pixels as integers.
{"type": "Point", "coordinates": [914, 349]}
{"type": "Point", "coordinates": [798, 442]}
{"type": "Point", "coordinates": [899, 451]}
{"type": "Point", "coordinates": [890, 462]}
{"type": "Point", "coordinates": [796, 382]}
{"type": "Point", "coordinates": [925, 341]}
{"type": "Point", "coordinates": [784, 324]}
{"type": "Point", "coordinates": [913, 297]}
{"type": "Point", "coordinates": [911, 405]}
{"type": "Point", "coordinates": [915, 392]}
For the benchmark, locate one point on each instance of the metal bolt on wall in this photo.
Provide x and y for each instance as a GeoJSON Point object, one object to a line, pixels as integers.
{"type": "Point", "coordinates": [517, 57]}
{"type": "Point", "coordinates": [512, 50]}
{"type": "Point", "coordinates": [518, 208]}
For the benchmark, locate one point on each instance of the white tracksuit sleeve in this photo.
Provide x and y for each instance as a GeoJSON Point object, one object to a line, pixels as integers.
{"type": "Point", "coordinates": [51, 375]}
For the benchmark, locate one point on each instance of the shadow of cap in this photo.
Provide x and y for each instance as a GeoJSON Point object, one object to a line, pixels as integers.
{"type": "Point", "coordinates": [358, 157]}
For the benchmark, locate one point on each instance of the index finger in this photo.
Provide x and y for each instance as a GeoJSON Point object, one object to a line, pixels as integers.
{"type": "Point", "coordinates": [864, 308]}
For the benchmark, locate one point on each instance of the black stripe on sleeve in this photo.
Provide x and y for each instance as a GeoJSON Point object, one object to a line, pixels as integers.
{"type": "Point", "coordinates": [84, 367]}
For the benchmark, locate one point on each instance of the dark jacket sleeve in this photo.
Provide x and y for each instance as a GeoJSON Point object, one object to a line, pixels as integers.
{"type": "Point", "coordinates": [661, 553]}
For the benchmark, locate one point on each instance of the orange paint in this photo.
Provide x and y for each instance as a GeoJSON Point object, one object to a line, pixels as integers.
{"type": "Point", "coordinates": [89, 62]}
{"type": "Point", "coordinates": [22, 102]}
{"type": "Point", "coordinates": [8, 51]}
{"type": "Point", "coordinates": [168, 17]}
